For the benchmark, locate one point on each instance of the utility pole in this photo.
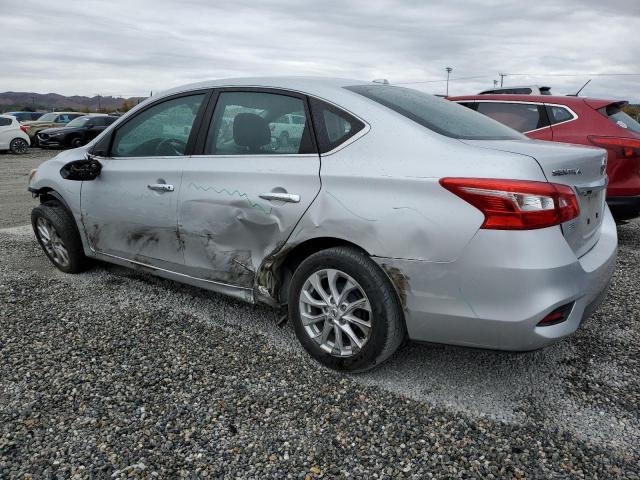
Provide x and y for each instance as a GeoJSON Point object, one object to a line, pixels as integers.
{"type": "Point", "coordinates": [502, 75]}
{"type": "Point", "coordinates": [495, 83]}
{"type": "Point", "coordinates": [449, 70]}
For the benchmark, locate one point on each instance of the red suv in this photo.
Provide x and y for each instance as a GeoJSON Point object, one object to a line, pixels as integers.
{"type": "Point", "coordinates": [584, 121]}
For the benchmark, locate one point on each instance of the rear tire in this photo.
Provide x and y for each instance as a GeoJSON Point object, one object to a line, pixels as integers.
{"type": "Point", "coordinates": [369, 334]}
{"type": "Point", "coordinates": [58, 235]}
{"type": "Point", "coordinates": [19, 146]}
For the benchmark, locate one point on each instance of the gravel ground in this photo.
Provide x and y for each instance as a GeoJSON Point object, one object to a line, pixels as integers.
{"type": "Point", "coordinates": [114, 373]}
{"type": "Point", "coordinates": [15, 202]}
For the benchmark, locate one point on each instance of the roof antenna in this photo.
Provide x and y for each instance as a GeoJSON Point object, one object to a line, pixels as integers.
{"type": "Point", "coordinates": [582, 88]}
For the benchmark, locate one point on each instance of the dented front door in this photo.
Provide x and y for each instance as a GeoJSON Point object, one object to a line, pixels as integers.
{"type": "Point", "coordinates": [243, 196]}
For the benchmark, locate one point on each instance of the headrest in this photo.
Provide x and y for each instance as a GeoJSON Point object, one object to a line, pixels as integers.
{"type": "Point", "coordinates": [251, 130]}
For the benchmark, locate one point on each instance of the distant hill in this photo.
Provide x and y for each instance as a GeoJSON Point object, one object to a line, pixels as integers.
{"type": "Point", "coordinates": [53, 101]}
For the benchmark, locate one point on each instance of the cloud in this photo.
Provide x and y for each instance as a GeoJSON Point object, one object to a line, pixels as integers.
{"type": "Point", "coordinates": [133, 47]}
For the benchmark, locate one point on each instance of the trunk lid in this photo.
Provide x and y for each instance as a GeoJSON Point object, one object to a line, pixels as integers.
{"type": "Point", "coordinates": [582, 168]}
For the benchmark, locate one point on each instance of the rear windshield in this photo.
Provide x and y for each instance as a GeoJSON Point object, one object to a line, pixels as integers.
{"type": "Point", "coordinates": [441, 116]}
{"type": "Point", "coordinates": [620, 118]}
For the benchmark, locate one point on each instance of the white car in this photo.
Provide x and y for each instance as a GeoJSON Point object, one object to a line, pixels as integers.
{"type": "Point", "coordinates": [288, 128]}
{"type": "Point", "coordinates": [12, 135]}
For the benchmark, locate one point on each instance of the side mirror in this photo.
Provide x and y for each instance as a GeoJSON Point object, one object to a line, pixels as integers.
{"type": "Point", "coordinates": [81, 170]}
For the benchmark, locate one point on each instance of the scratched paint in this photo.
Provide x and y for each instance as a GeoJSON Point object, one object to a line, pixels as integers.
{"type": "Point", "coordinates": [251, 203]}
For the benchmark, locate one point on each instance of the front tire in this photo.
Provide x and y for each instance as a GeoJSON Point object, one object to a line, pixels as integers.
{"type": "Point", "coordinates": [19, 146]}
{"type": "Point", "coordinates": [57, 234]}
{"type": "Point", "coordinates": [76, 142]}
{"type": "Point", "coordinates": [344, 310]}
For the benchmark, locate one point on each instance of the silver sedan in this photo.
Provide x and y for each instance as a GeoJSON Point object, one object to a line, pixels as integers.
{"type": "Point", "coordinates": [371, 213]}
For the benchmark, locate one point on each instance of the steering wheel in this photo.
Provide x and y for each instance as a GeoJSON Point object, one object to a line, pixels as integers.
{"type": "Point", "coordinates": [171, 147]}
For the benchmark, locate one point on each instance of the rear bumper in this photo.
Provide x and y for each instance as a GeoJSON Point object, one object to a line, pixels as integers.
{"type": "Point", "coordinates": [503, 285]}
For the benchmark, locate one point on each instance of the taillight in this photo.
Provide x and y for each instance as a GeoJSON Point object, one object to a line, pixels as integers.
{"type": "Point", "coordinates": [516, 204]}
{"type": "Point", "coordinates": [24, 128]}
{"type": "Point", "coordinates": [623, 147]}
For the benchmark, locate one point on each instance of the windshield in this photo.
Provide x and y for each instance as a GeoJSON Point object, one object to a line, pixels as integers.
{"type": "Point", "coordinates": [620, 118]}
{"type": "Point", "coordinates": [48, 117]}
{"type": "Point", "coordinates": [78, 122]}
{"type": "Point", "coordinates": [441, 116]}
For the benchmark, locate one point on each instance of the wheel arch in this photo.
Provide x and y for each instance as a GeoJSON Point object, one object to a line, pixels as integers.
{"type": "Point", "coordinates": [274, 276]}
{"type": "Point", "coordinates": [46, 194]}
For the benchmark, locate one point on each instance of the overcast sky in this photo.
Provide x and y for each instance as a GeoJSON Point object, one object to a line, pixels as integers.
{"type": "Point", "coordinates": [116, 47]}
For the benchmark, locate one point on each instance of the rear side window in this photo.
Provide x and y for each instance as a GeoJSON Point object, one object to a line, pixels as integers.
{"type": "Point", "coordinates": [559, 114]}
{"type": "Point", "coordinates": [620, 118]}
{"type": "Point", "coordinates": [522, 117]}
{"type": "Point", "coordinates": [258, 123]}
{"type": "Point", "coordinates": [4, 122]}
{"type": "Point", "coordinates": [333, 126]}
{"type": "Point", "coordinates": [442, 116]}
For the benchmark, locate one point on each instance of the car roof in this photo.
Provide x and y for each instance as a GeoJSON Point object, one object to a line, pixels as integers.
{"type": "Point", "coordinates": [310, 85]}
{"type": "Point", "coordinates": [559, 99]}
{"type": "Point", "coordinates": [7, 116]}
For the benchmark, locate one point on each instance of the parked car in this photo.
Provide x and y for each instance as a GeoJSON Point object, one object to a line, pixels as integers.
{"type": "Point", "coordinates": [12, 135]}
{"type": "Point", "coordinates": [49, 120]}
{"type": "Point", "coordinates": [76, 133]}
{"type": "Point", "coordinates": [518, 90]}
{"type": "Point", "coordinates": [26, 116]}
{"type": "Point", "coordinates": [395, 214]}
{"type": "Point", "coordinates": [288, 128]}
{"type": "Point", "coordinates": [578, 120]}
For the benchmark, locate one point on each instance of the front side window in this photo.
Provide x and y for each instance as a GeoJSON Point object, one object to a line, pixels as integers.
{"type": "Point", "coordinates": [162, 130]}
{"type": "Point", "coordinates": [333, 126]}
{"type": "Point", "coordinates": [257, 123]}
{"type": "Point", "coordinates": [437, 114]}
{"type": "Point", "coordinates": [559, 114]}
{"type": "Point", "coordinates": [522, 117]}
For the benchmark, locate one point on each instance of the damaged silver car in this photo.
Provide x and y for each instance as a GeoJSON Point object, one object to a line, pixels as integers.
{"type": "Point", "coordinates": [373, 213]}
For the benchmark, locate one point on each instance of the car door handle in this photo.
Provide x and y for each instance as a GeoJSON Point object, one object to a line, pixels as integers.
{"type": "Point", "coordinates": [160, 187]}
{"type": "Point", "coordinates": [283, 197]}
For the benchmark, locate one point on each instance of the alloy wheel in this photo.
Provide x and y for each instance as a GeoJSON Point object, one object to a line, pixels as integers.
{"type": "Point", "coordinates": [51, 242]}
{"type": "Point", "coordinates": [19, 146]}
{"type": "Point", "coordinates": [335, 312]}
